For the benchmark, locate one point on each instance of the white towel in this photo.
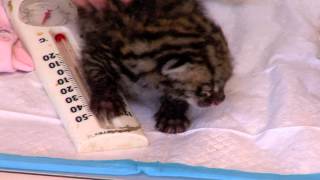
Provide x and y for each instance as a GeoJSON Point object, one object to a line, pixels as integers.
{"type": "Point", "coordinates": [269, 121]}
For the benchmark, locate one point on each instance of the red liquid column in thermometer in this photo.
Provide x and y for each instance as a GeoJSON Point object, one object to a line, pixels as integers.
{"type": "Point", "coordinates": [69, 58]}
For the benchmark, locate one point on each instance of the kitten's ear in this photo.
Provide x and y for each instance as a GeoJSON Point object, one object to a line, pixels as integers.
{"type": "Point", "coordinates": [174, 66]}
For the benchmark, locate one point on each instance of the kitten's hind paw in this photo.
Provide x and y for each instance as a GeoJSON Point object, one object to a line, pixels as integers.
{"type": "Point", "coordinates": [172, 125]}
{"type": "Point", "coordinates": [107, 106]}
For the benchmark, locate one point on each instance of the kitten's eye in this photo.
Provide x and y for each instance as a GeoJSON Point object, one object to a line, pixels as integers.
{"type": "Point", "coordinates": [177, 64]}
{"type": "Point", "coordinates": [174, 66]}
{"type": "Point", "coordinates": [174, 63]}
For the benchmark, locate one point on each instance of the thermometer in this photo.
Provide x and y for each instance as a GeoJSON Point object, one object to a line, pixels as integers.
{"type": "Point", "coordinates": [44, 28]}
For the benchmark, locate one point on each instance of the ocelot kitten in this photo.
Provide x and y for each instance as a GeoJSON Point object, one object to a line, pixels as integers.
{"type": "Point", "coordinates": [167, 46]}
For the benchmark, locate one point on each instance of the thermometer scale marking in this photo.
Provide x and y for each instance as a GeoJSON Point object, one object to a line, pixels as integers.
{"type": "Point", "coordinates": [67, 84]}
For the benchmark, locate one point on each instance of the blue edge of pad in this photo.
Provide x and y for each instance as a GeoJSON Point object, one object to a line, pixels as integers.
{"type": "Point", "coordinates": [129, 167]}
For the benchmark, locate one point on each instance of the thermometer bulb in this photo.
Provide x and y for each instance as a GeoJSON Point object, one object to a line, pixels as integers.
{"type": "Point", "coordinates": [60, 37]}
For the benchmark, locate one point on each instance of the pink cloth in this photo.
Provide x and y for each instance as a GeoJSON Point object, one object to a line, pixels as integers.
{"type": "Point", "coordinates": [13, 56]}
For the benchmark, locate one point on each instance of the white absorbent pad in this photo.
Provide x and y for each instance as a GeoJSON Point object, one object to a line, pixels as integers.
{"type": "Point", "coordinates": [269, 122]}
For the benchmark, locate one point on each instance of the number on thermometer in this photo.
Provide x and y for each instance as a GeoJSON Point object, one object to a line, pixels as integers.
{"type": "Point", "coordinates": [82, 118]}
{"type": "Point", "coordinates": [63, 81]}
{"type": "Point", "coordinates": [49, 56]}
{"type": "Point", "coordinates": [72, 99]}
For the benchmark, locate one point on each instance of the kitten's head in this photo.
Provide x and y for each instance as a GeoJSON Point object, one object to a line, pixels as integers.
{"type": "Point", "coordinates": [196, 82]}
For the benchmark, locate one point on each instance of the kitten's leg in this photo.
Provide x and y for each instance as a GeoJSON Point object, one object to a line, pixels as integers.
{"type": "Point", "coordinates": [105, 96]}
{"type": "Point", "coordinates": [107, 104]}
{"type": "Point", "coordinates": [171, 117]}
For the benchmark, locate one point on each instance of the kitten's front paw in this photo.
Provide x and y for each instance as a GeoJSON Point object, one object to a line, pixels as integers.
{"type": "Point", "coordinates": [172, 125]}
{"type": "Point", "coordinates": [107, 107]}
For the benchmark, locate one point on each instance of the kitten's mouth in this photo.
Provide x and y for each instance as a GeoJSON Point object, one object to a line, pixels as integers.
{"type": "Point", "coordinates": [207, 103]}
{"type": "Point", "coordinates": [204, 104]}
{"type": "Point", "coordinates": [211, 101]}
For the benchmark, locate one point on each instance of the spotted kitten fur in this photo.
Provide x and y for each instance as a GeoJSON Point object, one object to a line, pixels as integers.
{"type": "Point", "coordinates": [167, 46]}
